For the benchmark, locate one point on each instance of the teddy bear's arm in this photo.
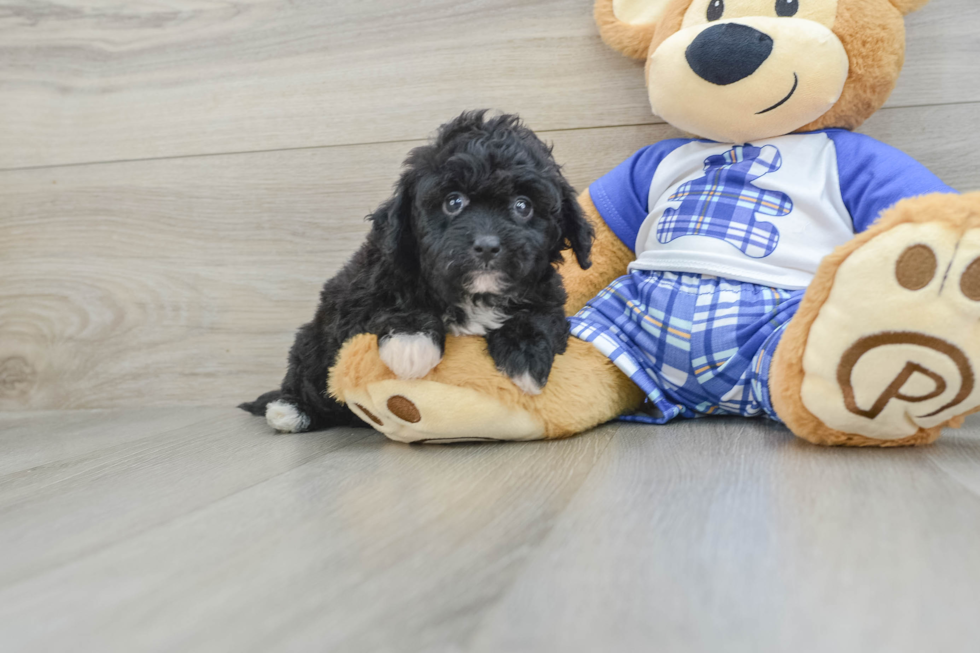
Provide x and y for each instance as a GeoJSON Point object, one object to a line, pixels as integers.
{"type": "Point", "coordinates": [610, 258]}
{"type": "Point", "coordinates": [875, 177]}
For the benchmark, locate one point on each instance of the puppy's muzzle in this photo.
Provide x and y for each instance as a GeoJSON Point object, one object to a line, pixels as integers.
{"type": "Point", "coordinates": [486, 248]}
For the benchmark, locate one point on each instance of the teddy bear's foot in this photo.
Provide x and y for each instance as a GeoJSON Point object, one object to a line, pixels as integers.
{"type": "Point", "coordinates": [887, 342]}
{"type": "Point", "coordinates": [429, 412]}
{"type": "Point", "coordinates": [465, 398]}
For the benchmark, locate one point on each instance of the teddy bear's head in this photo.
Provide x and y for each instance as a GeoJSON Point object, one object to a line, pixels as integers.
{"type": "Point", "coordinates": [743, 70]}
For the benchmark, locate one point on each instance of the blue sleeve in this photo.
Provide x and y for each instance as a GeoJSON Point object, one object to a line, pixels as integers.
{"type": "Point", "coordinates": [874, 176]}
{"type": "Point", "coordinates": [622, 195]}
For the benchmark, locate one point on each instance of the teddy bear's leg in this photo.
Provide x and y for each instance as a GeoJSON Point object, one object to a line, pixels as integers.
{"type": "Point", "coordinates": [465, 398]}
{"type": "Point", "coordinates": [885, 349]}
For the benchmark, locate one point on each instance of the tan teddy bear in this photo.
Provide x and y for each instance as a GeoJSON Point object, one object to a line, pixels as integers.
{"type": "Point", "coordinates": [774, 264]}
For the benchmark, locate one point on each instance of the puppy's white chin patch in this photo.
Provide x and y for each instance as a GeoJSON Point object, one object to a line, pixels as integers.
{"type": "Point", "coordinates": [527, 385]}
{"type": "Point", "coordinates": [410, 356]}
{"type": "Point", "coordinates": [486, 282]}
{"type": "Point", "coordinates": [285, 417]}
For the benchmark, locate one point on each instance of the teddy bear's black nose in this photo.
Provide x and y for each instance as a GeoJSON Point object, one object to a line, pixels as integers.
{"type": "Point", "coordinates": [727, 53]}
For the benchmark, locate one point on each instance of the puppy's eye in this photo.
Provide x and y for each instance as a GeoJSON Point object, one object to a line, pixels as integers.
{"type": "Point", "coordinates": [454, 204]}
{"type": "Point", "coordinates": [716, 9]}
{"type": "Point", "coordinates": [523, 208]}
{"type": "Point", "coordinates": [787, 8]}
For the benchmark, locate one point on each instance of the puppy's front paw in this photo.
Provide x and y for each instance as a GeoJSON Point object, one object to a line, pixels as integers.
{"type": "Point", "coordinates": [524, 358]}
{"type": "Point", "coordinates": [410, 356]}
{"type": "Point", "coordinates": [527, 384]}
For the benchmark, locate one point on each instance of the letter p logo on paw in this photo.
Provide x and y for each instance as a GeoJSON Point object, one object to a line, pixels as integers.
{"type": "Point", "coordinates": [890, 384]}
{"type": "Point", "coordinates": [905, 387]}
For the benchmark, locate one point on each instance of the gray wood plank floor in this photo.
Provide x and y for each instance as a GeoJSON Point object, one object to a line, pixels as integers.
{"type": "Point", "coordinates": [198, 530]}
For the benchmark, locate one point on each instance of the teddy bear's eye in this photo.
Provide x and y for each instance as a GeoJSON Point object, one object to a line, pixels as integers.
{"type": "Point", "coordinates": [787, 8]}
{"type": "Point", "coordinates": [716, 8]}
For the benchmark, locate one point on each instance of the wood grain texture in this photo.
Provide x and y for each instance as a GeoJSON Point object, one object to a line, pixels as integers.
{"type": "Point", "coordinates": [181, 282]}
{"type": "Point", "coordinates": [199, 530]}
{"type": "Point", "coordinates": [88, 81]}
{"type": "Point", "coordinates": [148, 468]}
{"type": "Point", "coordinates": [730, 535]}
{"type": "Point", "coordinates": [220, 536]}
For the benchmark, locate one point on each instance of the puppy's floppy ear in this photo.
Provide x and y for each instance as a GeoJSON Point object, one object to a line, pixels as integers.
{"type": "Point", "coordinates": [393, 220]}
{"type": "Point", "coordinates": [577, 232]}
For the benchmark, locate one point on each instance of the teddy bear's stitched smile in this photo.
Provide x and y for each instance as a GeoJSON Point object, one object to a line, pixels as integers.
{"type": "Point", "coordinates": [796, 85]}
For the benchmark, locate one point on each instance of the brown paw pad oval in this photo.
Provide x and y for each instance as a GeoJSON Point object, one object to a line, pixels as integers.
{"type": "Point", "coordinates": [371, 416]}
{"type": "Point", "coordinates": [970, 282]}
{"type": "Point", "coordinates": [916, 267]}
{"type": "Point", "coordinates": [402, 408]}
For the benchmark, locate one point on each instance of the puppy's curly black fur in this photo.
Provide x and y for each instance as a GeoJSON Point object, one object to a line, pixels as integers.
{"type": "Point", "coordinates": [468, 244]}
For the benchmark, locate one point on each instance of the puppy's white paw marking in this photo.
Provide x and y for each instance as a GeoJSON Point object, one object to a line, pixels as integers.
{"type": "Point", "coordinates": [527, 385]}
{"type": "Point", "coordinates": [285, 417]}
{"type": "Point", "coordinates": [410, 356]}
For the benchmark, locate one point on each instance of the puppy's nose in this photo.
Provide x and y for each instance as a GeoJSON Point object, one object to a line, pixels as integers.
{"type": "Point", "coordinates": [487, 247]}
{"type": "Point", "coordinates": [728, 53]}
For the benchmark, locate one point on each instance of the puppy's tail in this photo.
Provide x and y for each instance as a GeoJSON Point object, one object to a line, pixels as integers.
{"type": "Point", "coordinates": [258, 406]}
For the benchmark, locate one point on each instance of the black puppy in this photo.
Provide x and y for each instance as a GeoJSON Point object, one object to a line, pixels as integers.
{"type": "Point", "coordinates": [468, 244]}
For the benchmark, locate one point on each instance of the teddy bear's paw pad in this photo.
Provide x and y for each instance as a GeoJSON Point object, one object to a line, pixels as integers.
{"type": "Point", "coordinates": [403, 408]}
{"type": "Point", "coordinates": [366, 415]}
{"type": "Point", "coordinates": [895, 347]}
{"type": "Point", "coordinates": [425, 411]}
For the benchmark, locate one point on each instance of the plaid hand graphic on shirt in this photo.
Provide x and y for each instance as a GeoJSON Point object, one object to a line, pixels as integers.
{"type": "Point", "coordinates": [724, 203]}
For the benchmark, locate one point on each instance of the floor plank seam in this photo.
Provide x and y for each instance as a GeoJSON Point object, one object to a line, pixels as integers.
{"type": "Point", "coordinates": [301, 148]}
{"type": "Point", "coordinates": [96, 549]}
{"type": "Point", "coordinates": [98, 450]}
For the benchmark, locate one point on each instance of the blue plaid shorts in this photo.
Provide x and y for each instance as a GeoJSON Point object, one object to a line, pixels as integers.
{"type": "Point", "coordinates": [696, 345]}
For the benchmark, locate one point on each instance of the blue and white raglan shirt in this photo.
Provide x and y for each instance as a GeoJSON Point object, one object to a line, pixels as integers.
{"type": "Point", "coordinates": [765, 213]}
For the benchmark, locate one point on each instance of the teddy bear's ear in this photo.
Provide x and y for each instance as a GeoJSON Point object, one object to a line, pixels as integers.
{"type": "Point", "coordinates": [908, 6]}
{"type": "Point", "coordinates": [628, 25]}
